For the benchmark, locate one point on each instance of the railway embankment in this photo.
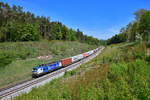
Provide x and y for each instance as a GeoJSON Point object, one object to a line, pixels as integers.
{"type": "Point", "coordinates": [18, 58]}
{"type": "Point", "coordinates": [27, 86]}
{"type": "Point", "coordinates": [120, 72]}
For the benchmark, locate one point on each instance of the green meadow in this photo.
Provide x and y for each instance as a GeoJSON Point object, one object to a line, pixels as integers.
{"type": "Point", "coordinates": [18, 58]}
{"type": "Point", "coordinates": [120, 72]}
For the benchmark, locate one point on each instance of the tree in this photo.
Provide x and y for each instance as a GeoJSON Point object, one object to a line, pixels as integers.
{"type": "Point", "coordinates": [58, 32]}
{"type": "Point", "coordinates": [79, 35]}
{"type": "Point", "coordinates": [17, 25]}
{"type": "Point", "coordinates": [139, 13]}
{"type": "Point", "coordinates": [144, 25]}
{"type": "Point", "coordinates": [133, 32]}
{"type": "Point", "coordinates": [29, 33]}
{"type": "Point", "coordinates": [64, 31]}
{"type": "Point", "coordinates": [73, 35]}
{"type": "Point", "coordinates": [55, 31]}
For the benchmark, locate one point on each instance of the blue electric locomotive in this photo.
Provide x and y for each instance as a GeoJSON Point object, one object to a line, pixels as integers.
{"type": "Point", "coordinates": [42, 69]}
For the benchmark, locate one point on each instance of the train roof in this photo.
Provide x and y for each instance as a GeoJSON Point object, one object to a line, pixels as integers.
{"type": "Point", "coordinates": [42, 65]}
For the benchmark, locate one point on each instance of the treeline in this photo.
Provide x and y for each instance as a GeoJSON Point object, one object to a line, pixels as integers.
{"type": "Point", "coordinates": [137, 30]}
{"type": "Point", "coordinates": [17, 25]}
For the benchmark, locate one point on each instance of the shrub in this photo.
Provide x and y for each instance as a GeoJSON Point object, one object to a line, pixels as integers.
{"type": "Point", "coordinates": [6, 57]}
{"type": "Point", "coordinates": [4, 60]}
{"type": "Point", "coordinates": [139, 55]}
{"type": "Point", "coordinates": [29, 32]}
{"type": "Point", "coordinates": [66, 94]}
{"type": "Point", "coordinates": [22, 55]}
{"type": "Point", "coordinates": [69, 73]}
{"type": "Point", "coordinates": [148, 45]}
{"type": "Point", "coordinates": [148, 58]}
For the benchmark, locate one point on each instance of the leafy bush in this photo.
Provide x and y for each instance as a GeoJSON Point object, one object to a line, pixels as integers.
{"type": "Point", "coordinates": [148, 45]}
{"type": "Point", "coordinates": [114, 79]}
{"type": "Point", "coordinates": [4, 60]}
{"type": "Point", "coordinates": [29, 32]}
{"type": "Point", "coordinates": [21, 57]}
{"type": "Point", "coordinates": [139, 55]}
{"type": "Point", "coordinates": [66, 94]}
{"type": "Point", "coordinates": [69, 73]}
{"type": "Point", "coordinates": [148, 58]}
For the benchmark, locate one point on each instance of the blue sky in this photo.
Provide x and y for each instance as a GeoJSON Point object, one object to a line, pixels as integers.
{"type": "Point", "coordinates": [98, 18]}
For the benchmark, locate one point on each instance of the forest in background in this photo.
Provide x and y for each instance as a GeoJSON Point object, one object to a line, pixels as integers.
{"type": "Point", "coordinates": [137, 30]}
{"type": "Point", "coordinates": [120, 72]}
{"type": "Point", "coordinates": [18, 25]}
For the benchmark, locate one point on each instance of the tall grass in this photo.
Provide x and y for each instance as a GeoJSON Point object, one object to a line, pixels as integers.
{"type": "Point", "coordinates": [18, 58]}
{"type": "Point", "coordinates": [120, 72]}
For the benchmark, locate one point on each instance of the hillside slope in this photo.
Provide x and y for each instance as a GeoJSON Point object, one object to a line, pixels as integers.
{"type": "Point", "coordinates": [18, 58]}
{"type": "Point", "coordinates": [120, 72]}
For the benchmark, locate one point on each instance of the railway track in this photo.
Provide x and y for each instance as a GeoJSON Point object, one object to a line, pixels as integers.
{"type": "Point", "coordinates": [26, 86]}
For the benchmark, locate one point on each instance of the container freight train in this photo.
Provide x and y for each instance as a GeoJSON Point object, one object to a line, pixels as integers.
{"type": "Point", "coordinates": [46, 68]}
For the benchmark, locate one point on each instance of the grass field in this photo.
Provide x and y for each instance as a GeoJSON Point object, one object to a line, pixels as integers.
{"type": "Point", "coordinates": [18, 58]}
{"type": "Point", "coordinates": [120, 72]}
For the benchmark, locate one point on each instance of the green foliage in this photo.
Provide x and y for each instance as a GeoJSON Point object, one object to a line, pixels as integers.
{"type": "Point", "coordinates": [139, 55]}
{"type": "Point", "coordinates": [133, 32]}
{"type": "Point", "coordinates": [17, 25]}
{"type": "Point", "coordinates": [148, 45]}
{"type": "Point", "coordinates": [17, 32]}
{"type": "Point", "coordinates": [29, 33]}
{"type": "Point", "coordinates": [139, 77]}
{"type": "Point", "coordinates": [5, 60]}
{"type": "Point", "coordinates": [73, 35]}
{"type": "Point", "coordinates": [67, 94]}
{"type": "Point", "coordinates": [56, 32]}
{"type": "Point", "coordinates": [69, 73]}
{"type": "Point", "coordinates": [148, 58]}
{"type": "Point", "coordinates": [110, 80]}
{"type": "Point", "coordinates": [137, 30]}
{"type": "Point", "coordinates": [18, 58]}
{"type": "Point", "coordinates": [117, 39]}
{"type": "Point", "coordinates": [144, 25]}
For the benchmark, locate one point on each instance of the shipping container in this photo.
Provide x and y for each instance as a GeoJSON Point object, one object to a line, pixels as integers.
{"type": "Point", "coordinates": [90, 52]}
{"type": "Point", "coordinates": [84, 55]}
{"type": "Point", "coordinates": [66, 61]}
{"type": "Point", "coordinates": [76, 58]}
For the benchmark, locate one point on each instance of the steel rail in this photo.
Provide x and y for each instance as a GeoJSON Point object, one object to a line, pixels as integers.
{"type": "Point", "coordinates": [13, 91]}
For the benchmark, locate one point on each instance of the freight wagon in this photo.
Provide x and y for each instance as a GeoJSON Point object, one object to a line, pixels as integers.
{"type": "Point", "coordinates": [43, 69]}
{"type": "Point", "coordinates": [66, 61]}
{"type": "Point", "coordinates": [76, 58]}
